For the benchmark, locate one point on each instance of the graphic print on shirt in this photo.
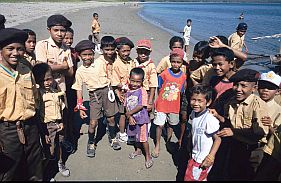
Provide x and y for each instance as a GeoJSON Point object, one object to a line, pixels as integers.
{"type": "Point", "coordinates": [171, 91]}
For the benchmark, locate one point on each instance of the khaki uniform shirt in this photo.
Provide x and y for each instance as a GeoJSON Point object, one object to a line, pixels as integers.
{"type": "Point", "coordinates": [235, 41]}
{"type": "Point", "coordinates": [273, 146]}
{"type": "Point", "coordinates": [277, 99]}
{"type": "Point", "coordinates": [95, 26]}
{"type": "Point", "coordinates": [94, 76]}
{"type": "Point", "coordinates": [165, 64]}
{"type": "Point", "coordinates": [121, 71]}
{"type": "Point", "coordinates": [29, 60]}
{"type": "Point", "coordinates": [52, 106]}
{"type": "Point", "coordinates": [241, 115]}
{"type": "Point", "coordinates": [47, 51]}
{"type": "Point", "coordinates": [109, 66]}
{"type": "Point", "coordinates": [203, 74]}
{"type": "Point", "coordinates": [18, 94]}
{"type": "Point", "coordinates": [150, 77]}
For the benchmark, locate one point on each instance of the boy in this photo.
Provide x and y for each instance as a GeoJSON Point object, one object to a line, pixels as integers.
{"type": "Point", "coordinates": [30, 47]}
{"type": "Point", "coordinates": [96, 31]}
{"type": "Point", "coordinates": [242, 122]}
{"type": "Point", "coordinates": [186, 35]}
{"type": "Point", "coordinates": [136, 112]}
{"type": "Point", "coordinates": [204, 127]}
{"type": "Point", "coordinates": [270, 167]}
{"type": "Point", "coordinates": [93, 75]}
{"type": "Point", "coordinates": [2, 21]}
{"type": "Point", "coordinates": [171, 85]}
{"type": "Point", "coordinates": [120, 79]}
{"type": "Point", "coordinates": [236, 40]}
{"type": "Point", "coordinates": [51, 107]}
{"type": "Point", "coordinates": [18, 119]}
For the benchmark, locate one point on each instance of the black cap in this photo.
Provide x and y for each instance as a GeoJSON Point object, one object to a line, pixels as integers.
{"type": "Point", "coordinates": [242, 26]}
{"type": "Point", "coordinates": [2, 21]}
{"type": "Point", "coordinates": [12, 35]}
{"type": "Point", "coordinates": [124, 41]}
{"type": "Point", "coordinates": [58, 20]}
{"type": "Point", "coordinates": [85, 45]}
{"type": "Point", "coordinates": [247, 75]}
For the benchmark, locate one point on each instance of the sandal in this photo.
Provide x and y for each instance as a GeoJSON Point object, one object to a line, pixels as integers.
{"type": "Point", "coordinates": [133, 155]}
{"type": "Point", "coordinates": [154, 154]}
{"type": "Point", "coordinates": [148, 163]}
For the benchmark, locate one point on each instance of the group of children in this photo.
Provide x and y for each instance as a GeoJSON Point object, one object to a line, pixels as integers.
{"type": "Point", "coordinates": [222, 109]}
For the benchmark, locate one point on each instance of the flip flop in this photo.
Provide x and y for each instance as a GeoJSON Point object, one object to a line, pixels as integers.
{"type": "Point", "coordinates": [133, 155]}
{"type": "Point", "coordinates": [149, 163]}
{"type": "Point", "coordinates": [154, 154]}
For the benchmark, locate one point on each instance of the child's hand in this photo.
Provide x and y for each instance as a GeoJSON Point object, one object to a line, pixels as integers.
{"type": "Point", "coordinates": [65, 64]}
{"type": "Point", "coordinates": [149, 107]}
{"type": "Point", "coordinates": [83, 114]}
{"type": "Point", "coordinates": [48, 140]}
{"type": "Point", "coordinates": [213, 112]}
{"type": "Point", "coordinates": [132, 121]}
{"type": "Point", "coordinates": [266, 121]}
{"type": "Point", "coordinates": [225, 132]}
{"type": "Point", "coordinates": [60, 127]}
{"type": "Point", "coordinates": [207, 162]}
{"type": "Point", "coordinates": [120, 96]}
{"type": "Point", "coordinates": [215, 42]}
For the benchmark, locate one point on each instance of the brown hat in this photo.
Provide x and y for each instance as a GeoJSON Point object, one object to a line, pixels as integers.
{"type": "Point", "coordinates": [12, 35]}
{"type": "Point", "coordinates": [124, 41]}
{"type": "Point", "coordinates": [58, 20]}
{"type": "Point", "coordinates": [247, 75]}
{"type": "Point", "coordinates": [85, 45]}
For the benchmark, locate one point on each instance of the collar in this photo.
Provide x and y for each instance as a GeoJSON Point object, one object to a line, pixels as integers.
{"type": "Point", "coordinates": [53, 44]}
{"type": "Point", "coordinates": [144, 64]}
{"type": "Point", "coordinates": [270, 103]}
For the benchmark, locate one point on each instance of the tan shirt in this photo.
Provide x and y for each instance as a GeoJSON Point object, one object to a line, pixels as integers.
{"type": "Point", "coordinates": [241, 116]}
{"type": "Point", "coordinates": [165, 64]}
{"type": "Point", "coordinates": [203, 74]}
{"type": "Point", "coordinates": [47, 51]}
{"type": "Point", "coordinates": [150, 77]}
{"type": "Point", "coordinates": [273, 146]}
{"type": "Point", "coordinates": [109, 66]}
{"type": "Point", "coordinates": [17, 94]}
{"type": "Point", "coordinates": [121, 71]}
{"type": "Point", "coordinates": [95, 26]}
{"type": "Point", "coordinates": [94, 76]}
{"type": "Point", "coordinates": [235, 41]}
{"type": "Point", "coordinates": [29, 60]}
{"type": "Point", "coordinates": [52, 105]}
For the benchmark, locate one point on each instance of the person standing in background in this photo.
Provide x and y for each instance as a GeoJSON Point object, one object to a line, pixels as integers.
{"type": "Point", "coordinates": [186, 35]}
{"type": "Point", "coordinates": [95, 32]}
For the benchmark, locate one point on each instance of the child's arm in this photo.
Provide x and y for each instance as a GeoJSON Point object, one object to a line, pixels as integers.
{"type": "Point", "coordinates": [151, 97]}
{"type": "Point", "coordinates": [79, 105]}
{"type": "Point", "coordinates": [210, 158]}
{"type": "Point", "coordinates": [215, 114]}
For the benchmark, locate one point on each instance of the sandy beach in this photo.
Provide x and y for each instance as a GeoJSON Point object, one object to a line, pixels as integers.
{"type": "Point", "coordinates": [116, 20]}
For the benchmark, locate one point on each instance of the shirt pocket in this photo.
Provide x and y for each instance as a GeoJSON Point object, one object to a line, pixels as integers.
{"type": "Point", "coordinates": [27, 91]}
{"type": "Point", "coordinates": [247, 120]}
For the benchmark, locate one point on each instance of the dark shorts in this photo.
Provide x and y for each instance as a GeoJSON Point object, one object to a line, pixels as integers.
{"type": "Point", "coordinates": [54, 135]}
{"type": "Point", "coordinates": [100, 105]}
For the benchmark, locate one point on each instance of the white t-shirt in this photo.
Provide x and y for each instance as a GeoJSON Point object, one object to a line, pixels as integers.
{"type": "Point", "coordinates": [186, 31]}
{"type": "Point", "coordinates": [203, 128]}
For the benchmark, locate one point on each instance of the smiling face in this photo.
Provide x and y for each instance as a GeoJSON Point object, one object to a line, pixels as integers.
{"type": "Point", "coordinates": [198, 102]}
{"type": "Point", "coordinates": [87, 56]}
{"type": "Point", "coordinates": [68, 39]}
{"type": "Point", "coordinates": [124, 52]}
{"type": "Point", "coordinates": [30, 43]}
{"type": "Point", "coordinates": [243, 89]}
{"type": "Point", "coordinates": [11, 54]}
{"type": "Point", "coordinates": [221, 66]}
{"type": "Point", "coordinates": [57, 33]}
{"type": "Point", "coordinates": [135, 81]}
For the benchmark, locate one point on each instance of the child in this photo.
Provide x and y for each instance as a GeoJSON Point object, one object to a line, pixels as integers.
{"type": "Point", "coordinates": [95, 31]}
{"type": "Point", "coordinates": [270, 168]}
{"type": "Point", "coordinates": [236, 40]}
{"type": "Point", "coordinates": [223, 64]}
{"type": "Point", "coordinates": [186, 35]}
{"type": "Point", "coordinates": [150, 82]}
{"type": "Point", "coordinates": [18, 119]}
{"type": "Point", "coordinates": [171, 84]}
{"type": "Point", "coordinates": [51, 108]}
{"type": "Point", "coordinates": [2, 21]}
{"type": "Point", "coordinates": [120, 79]}
{"type": "Point", "coordinates": [136, 103]}
{"type": "Point", "coordinates": [102, 102]}
{"type": "Point", "coordinates": [242, 122]}
{"type": "Point", "coordinates": [30, 47]}
{"type": "Point", "coordinates": [175, 42]}
{"type": "Point", "coordinates": [204, 127]}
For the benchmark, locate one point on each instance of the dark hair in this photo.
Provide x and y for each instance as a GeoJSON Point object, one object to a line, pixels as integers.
{"type": "Point", "coordinates": [29, 32]}
{"type": "Point", "coordinates": [225, 52]}
{"type": "Point", "coordinates": [176, 39]}
{"type": "Point", "coordinates": [94, 14]}
{"type": "Point", "coordinates": [188, 20]}
{"type": "Point", "coordinates": [108, 41]}
{"type": "Point", "coordinates": [223, 39]}
{"type": "Point", "coordinates": [208, 91]}
{"type": "Point", "coordinates": [202, 47]}
{"type": "Point", "coordinates": [69, 29]}
{"type": "Point", "coordinates": [137, 71]}
{"type": "Point", "coordinates": [39, 71]}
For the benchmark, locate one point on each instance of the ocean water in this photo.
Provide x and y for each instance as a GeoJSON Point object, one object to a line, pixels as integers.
{"type": "Point", "coordinates": [210, 19]}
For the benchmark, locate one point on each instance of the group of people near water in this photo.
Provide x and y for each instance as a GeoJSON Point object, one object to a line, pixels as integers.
{"type": "Point", "coordinates": [230, 115]}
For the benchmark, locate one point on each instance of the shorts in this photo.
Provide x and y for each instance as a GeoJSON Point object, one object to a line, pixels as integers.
{"type": "Point", "coordinates": [161, 118]}
{"type": "Point", "coordinates": [54, 134]}
{"type": "Point", "coordinates": [139, 131]}
{"type": "Point", "coordinates": [186, 40]}
{"type": "Point", "coordinates": [120, 104]}
{"type": "Point", "coordinates": [100, 105]}
{"type": "Point", "coordinates": [194, 173]}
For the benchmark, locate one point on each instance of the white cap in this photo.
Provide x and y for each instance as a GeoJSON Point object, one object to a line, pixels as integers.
{"type": "Point", "coordinates": [271, 77]}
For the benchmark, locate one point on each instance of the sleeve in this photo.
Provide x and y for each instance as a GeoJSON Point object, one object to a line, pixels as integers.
{"type": "Point", "coordinates": [261, 110]}
{"type": "Point", "coordinates": [40, 52]}
{"type": "Point", "coordinates": [161, 66]}
{"type": "Point", "coordinates": [69, 59]}
{"type": "Point", "coordinates": [183, 87]}
{"type": "Point", "coordinates": [160, 81]}
{"type": "Point", "coordinates": [212, 124]}
{"type": "Point", "coordinates": [144, 97]}
{"type": "Point", "coordinates": [77, 85]}
{"type": "Point", "coordinates": [115, 76]}
{"type": "Point", "coordinates": [197, 75]}
{"type": "Point", "coordinates": [153, 82]}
